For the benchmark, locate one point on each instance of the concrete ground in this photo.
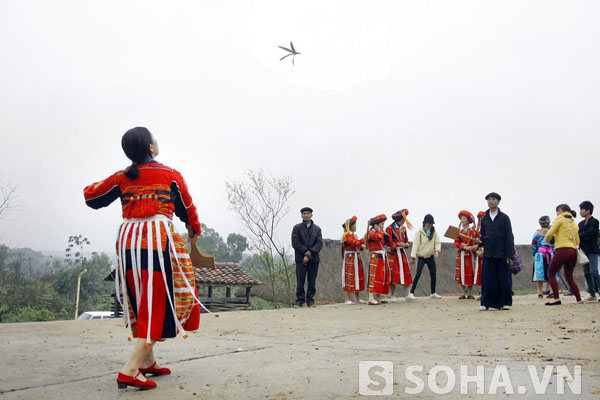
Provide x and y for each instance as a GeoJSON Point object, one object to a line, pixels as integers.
{"type": "Point", "coordinates": [313, 353]}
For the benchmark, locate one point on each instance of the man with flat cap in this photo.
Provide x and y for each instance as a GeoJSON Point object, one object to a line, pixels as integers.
{"type": "Point", "coordinates": [307, 242]}
{"type": "Point", "coordinates": [498, 243]}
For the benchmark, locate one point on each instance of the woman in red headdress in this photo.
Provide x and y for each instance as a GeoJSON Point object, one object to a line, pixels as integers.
{"type": "Point", "coordinates": [379, 270]}
{"type": "Point", "coordinates": [465, 257]}
{"type": "Point", "coordinates": [353, 274]}
{"type": "Point", "coordinates": [399, 265]}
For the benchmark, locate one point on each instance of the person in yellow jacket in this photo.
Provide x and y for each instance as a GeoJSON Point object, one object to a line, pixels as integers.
{"type": "Point", "coordinates": [565, 233]}
{"type": "Point", "coordinates": [426, 249]}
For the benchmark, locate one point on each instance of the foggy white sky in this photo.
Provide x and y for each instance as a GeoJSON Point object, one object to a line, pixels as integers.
{"type": "Point", "coordinates": [427, 105]}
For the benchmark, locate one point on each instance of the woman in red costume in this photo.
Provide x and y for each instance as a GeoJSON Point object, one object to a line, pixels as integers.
{"type": "Point", "coordinates": [353, 274]}
{"type": "Point", "coordinates": [465, 254]}
{"type": "Point", "coordinates": [379, 270]}
{"type": "Point", "coordinates": [154, 275]}
{"type": "Point", "coordinates": [399, 265]}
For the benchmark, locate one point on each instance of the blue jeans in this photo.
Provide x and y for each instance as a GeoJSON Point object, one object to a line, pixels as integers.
{"type": "Point", "coordinates": [592, 278]}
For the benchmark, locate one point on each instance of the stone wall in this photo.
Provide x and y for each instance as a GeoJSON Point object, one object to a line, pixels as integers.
{"type": "Point", "coordinates": [329, 278]}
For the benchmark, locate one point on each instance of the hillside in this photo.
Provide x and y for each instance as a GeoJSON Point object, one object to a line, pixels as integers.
{"type": "Point", "coordinates": [31, 261]}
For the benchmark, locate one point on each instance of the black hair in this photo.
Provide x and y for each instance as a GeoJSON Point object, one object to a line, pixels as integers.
{"type": "Point", "coordinates": [544, 220]}
{"type": "Point", "coordinates": [136, 145]}
{"type": "Point", "coordinates": [587, 205]}
{"type": "Point", "coordinates": [563, 207]}
{"type": "Point", "coordinates": [432, 230]}
{"type": "Point", "coordinates": [352, 222]}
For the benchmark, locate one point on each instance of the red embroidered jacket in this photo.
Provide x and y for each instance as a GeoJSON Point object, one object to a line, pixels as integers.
{"type": "Point", "coordinates": [461, 242]}
{"type": "Point", "coordinates": [396, 234]}
{"type": "Point", "coordinates": [352, 243]}
{"type": "Point", "coordinates": [376, 240]}
{"type": "Point", "coordinates": [158, 190]}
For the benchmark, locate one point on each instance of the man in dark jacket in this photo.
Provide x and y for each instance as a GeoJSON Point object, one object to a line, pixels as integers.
{"type": "Point", "coordinates": [499, 250]}
{"type": "Point", "coordinates": [588, 238]}
{"type": "Point", "coordinates": [307, 242]}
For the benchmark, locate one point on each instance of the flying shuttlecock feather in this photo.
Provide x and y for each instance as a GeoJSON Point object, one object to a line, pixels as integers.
{"type": "Point", "coordinates": [292, 52]}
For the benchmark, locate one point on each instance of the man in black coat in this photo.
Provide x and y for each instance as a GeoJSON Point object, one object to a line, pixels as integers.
{"type": "Point", "coordinates": [499, 250]}
{"type": "Point", "coordinates": [307, 242]}
{"type": "Point", "coordinates": [588, 242]}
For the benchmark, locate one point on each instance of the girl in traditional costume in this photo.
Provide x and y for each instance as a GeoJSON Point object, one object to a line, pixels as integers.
{"type": "Point", "coordinates": [465, 257]}
{"type": "Point", "coordinates": [542, 255]}
{"type": "Point", "coordinates": [379, 270]}
{"type": "Point", "coordinates": [353, 275]}
{"type": "Point", "coordinates": [398, 260]}
{"type": "Point", "coordinates": [154, 275]}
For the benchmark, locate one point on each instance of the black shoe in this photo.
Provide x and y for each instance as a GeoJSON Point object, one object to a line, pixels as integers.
{"type": "Point", "coordinates": [545, 292]}
{"type": "Point", "coordinates": [550, 296]}
{"type": "Point", "coordinates": [298, 305]}
{"type": "Point", "coordinates": [310, 305]}
{"type": "Point", "coordinates": [540, 296]}
{"type": "Point", "coordinates": [556, 303]}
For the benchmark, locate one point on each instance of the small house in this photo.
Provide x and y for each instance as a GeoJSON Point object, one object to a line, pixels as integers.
{"type": "Point", "coordinates": [225, 275]}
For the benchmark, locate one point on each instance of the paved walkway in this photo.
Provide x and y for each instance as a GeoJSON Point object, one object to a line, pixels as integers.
{"type": "Point", "coordinates": [311, 353]}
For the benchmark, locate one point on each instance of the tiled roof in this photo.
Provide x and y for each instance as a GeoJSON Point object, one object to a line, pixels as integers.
{"type": "Point", "coordinates": [228, 274]}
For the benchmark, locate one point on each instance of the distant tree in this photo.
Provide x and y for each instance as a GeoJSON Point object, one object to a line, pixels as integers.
{"type": "Point", "coordinates": [74, 250]}
{"type": "Point", "coordinates": [4, 253]}
{"type": "Point", "coordinates": [211, 242]}
{"type": "Point", "coordinates": [8, 194]}
{"type": "Point", "coordinates": [261, 202]}
{"type": "Point", "coordinates": [236, 245]}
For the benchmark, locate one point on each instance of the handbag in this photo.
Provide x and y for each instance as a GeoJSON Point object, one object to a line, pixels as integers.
{"type": "Point", "coordinates": [517, 264]}
{"type": "Point", "coordinates": [582, 259]}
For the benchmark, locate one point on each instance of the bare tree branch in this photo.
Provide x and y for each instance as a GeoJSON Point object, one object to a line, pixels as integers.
{"type": "Point", "coordinates": [260, 203]}
{"type": "Point", "coordinates": [8, 195]}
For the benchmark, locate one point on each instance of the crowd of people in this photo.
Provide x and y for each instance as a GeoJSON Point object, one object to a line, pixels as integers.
{"type": "Point", "coordinates": [555, 246]}
{"type": "Point", "coordinates": [485, 256]}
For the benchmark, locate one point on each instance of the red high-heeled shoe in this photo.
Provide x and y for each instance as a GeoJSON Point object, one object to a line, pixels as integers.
{"type": "Point", "coordinates": [155, 371]}
{"type": "Point", "coordinates": [125, 380]}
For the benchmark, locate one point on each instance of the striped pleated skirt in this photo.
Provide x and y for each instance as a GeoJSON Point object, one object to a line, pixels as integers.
{"type": "Point", "coordinates": [155, 279]}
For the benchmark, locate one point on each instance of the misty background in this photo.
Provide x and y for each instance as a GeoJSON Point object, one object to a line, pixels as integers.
{"type": "Point", "coordinates": [425, 105]}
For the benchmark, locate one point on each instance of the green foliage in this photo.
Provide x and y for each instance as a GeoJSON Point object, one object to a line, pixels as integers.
{"type": "Point", "coordinates": [236, 244]}
{"type": "Point", "coordinates": [274, 273]}
{"type": "Point", "coordinates": [212, 243]}
{"type": "Point", "coordinates": [259, 303]}
{"type": "Point", "coordinates": [28, 314]}
{"type": "Point", "coordinates": [74, 250]}
{"type": "Point", "coordinates": [25, 296]}
{"type": "Point", "coordinates": [95, 291]}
